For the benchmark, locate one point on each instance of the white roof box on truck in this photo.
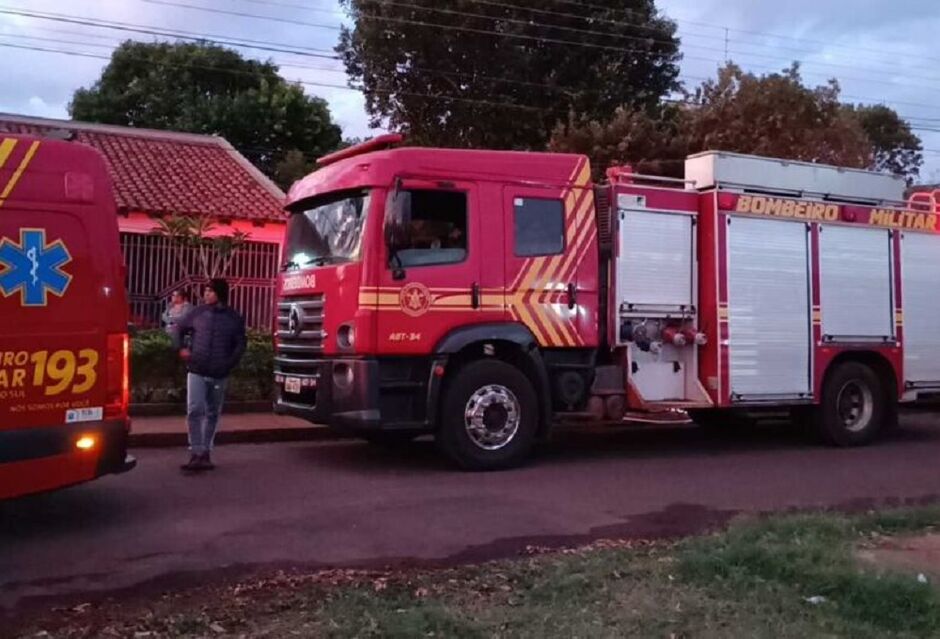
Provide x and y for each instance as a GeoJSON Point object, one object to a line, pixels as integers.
{"type": "Point", "coordinates": [717, 169]}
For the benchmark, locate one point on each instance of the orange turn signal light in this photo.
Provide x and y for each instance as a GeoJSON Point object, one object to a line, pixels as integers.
{"type": "Point", "coordinates": [86, 442]}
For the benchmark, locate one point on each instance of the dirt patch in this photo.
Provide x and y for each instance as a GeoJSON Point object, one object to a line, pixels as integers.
{"type": "Point", "coordinates": [918, 555]}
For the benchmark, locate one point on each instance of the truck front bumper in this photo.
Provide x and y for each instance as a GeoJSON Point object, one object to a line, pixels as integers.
{"type": "Point", "coordinates": [359, 395]}
{"type": "Point", "coordinates": [343, 393]}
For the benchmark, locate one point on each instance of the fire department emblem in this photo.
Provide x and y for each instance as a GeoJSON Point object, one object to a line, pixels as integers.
{"type": "Point", "coordinates": [33, 267]}
{"type": "Point", "coordinates": [415, 299]}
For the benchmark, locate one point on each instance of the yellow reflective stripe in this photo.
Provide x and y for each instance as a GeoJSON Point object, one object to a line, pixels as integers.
{"type": "Point", "coordinates": [6, 148]}
{"type": "Point", "coordinates": [19, 172]}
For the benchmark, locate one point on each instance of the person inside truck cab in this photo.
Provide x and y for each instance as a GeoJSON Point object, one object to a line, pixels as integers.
{"type": "Point", "coordinates": [438, 229]}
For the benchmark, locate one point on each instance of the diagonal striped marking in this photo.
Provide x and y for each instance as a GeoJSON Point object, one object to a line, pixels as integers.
{"type": "Point", "coordinates": [545, 285]}
{"type": "Point", "coordinates": [525, 293]}
{"type": "Point", "coordinates": [575, 175]}
{"type": "Point", "coordinates": [6, 148]}
{"type": "Point", "coordinates": [577, 231]}
{"type": "Point", "coordinates": [19, 172]}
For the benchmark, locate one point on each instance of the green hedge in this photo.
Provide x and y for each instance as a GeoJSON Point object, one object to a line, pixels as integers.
{"type": "Point", "coordinates": [158, 375]}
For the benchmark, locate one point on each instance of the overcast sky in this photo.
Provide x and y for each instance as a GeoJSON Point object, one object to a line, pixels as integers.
{"type": "Point", "coordinates": [879, 51]}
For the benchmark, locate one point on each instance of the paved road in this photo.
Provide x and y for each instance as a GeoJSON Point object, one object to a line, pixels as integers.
{"type": "Point", "coordinates": [346, 503]}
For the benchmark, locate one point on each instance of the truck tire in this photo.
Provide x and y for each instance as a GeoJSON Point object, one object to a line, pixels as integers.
{"type": "Point", "coordinates": [489, 416]}
{"type": "Point", "coordinates": [854, 407]}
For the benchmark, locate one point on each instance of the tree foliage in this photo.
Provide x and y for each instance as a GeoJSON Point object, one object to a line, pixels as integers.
{"type": "Point", "coordinates": [204, 88]}
{"type": "Point", "coordinates": [200, 253]}
{"type": "Point", "coordinates": [896, 148]}
{"type": "Point", "coordinates": [500, 75]}
{"type": "Point", "coordinates": [773, 115]}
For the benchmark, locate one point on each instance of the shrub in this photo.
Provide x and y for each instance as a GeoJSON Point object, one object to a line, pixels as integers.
{"type": "Point", "coordinates": [158, 375]}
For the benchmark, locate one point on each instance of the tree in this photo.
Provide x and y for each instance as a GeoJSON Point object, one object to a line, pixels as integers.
{"type": "Point", "coordinates": [773, 115]}
{"type": "Point", "coordinates": [295, 165]}
{"type": "Point", "coordinates": [653, 144]}
{"type": "Point", "coordinates": [200, 255]}
{"type": "Point", "coordinates": [204, 88]}
{"type": "Point", "coordinates": [500, 75]}
{"type": "Point", "coordinates": [897, 149]}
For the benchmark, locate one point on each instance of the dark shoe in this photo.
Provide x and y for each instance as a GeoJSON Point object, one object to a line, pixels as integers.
{"type": "Point", "coordinates": [205, 463]}
{"type": "Point", "coordinates": [192, 464]}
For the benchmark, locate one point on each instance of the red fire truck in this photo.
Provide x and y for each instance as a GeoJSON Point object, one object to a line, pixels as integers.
{"type": "Point", "coordinates": [63, 319]}
{"type": "Point", "coordinates": [484, 296]}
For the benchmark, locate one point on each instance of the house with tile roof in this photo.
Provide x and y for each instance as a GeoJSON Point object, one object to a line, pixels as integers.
{"type": "Point", "coordinates": [161, 173]}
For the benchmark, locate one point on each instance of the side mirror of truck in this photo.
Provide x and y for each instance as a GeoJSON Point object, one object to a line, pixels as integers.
{"type": "Point", "coordinates": [398, 224]}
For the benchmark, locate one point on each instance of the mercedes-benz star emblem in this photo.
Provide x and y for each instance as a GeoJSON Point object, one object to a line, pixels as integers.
{"type": "Point", "coordinates": [295, 320]}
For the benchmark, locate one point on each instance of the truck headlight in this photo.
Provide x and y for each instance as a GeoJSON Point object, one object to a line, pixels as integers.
{"type": "Point", "coordinates": [346, 337]}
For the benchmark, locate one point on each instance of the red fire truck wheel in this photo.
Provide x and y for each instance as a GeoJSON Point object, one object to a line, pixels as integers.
{"type": "Point", "coordinates": [489, 416]}
{"type": "Point", "coordinates": [853, 407]}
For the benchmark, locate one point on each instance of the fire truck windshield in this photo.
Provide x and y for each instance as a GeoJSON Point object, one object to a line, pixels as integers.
{"type": "Point", "coordinates": [326, 230]}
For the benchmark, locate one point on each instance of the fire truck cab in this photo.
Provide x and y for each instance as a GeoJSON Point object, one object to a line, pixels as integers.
{"type": "Point", "coordinates": [483, 296]}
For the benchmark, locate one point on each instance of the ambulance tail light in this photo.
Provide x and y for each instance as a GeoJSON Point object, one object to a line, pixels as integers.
{"type": "Point", "coordinates": [118, 376]}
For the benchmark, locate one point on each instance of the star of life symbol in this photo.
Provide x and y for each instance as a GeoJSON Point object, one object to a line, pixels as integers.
{"type": "Point", "coordinates": [33, 268]}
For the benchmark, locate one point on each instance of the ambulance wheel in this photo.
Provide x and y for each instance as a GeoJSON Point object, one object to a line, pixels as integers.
{"type": "Point", "coordinates": [854, 409]}
{"type": "Point", "coordinates": [489, 416]}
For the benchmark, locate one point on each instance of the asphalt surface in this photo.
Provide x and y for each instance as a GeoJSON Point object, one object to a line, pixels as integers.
{"type": "Point", "coordinates": [350, 504]}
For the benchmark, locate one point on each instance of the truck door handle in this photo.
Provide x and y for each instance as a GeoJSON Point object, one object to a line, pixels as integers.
{"type": "Point", "coordinates": [475, 295]}
{"type": "Point", "coordinates": [572, 296]}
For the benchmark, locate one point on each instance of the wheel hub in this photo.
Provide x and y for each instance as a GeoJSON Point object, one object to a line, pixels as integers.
{"type": "Point", "coordinates": [855, 405]}
{"type": "Point", "coordinates": [492, 417]}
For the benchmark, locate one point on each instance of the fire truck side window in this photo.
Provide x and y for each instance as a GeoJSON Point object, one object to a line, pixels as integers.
{"type": "Point", "coordinates": [438, 229]}
{"type": "Point", "coordinates": [540, 227]}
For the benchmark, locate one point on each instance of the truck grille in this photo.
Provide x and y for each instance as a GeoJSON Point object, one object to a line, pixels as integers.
{"type": "Point", "coordinates": [300, 333]}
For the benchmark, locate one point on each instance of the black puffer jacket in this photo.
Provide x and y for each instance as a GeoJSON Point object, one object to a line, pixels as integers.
{"type": "Point", "coordinates": [218, 339]}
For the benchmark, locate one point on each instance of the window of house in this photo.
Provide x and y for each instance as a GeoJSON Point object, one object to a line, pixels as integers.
{"type": "Point", "coordinates": [540, 226]}
{"type": "Point", "coordinates": [438, 229]}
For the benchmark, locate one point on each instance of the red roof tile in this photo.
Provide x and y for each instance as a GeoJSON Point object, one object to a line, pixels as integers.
{"type": "Point", "coordinates": [163, 172]}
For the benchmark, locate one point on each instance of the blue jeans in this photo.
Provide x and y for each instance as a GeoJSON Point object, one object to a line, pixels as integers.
{"type": "Point", "coordinates": [204, 397]}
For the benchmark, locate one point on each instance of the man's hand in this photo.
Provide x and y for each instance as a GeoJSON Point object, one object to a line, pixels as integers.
{"type": "Point", "coordinates": [185, 354]}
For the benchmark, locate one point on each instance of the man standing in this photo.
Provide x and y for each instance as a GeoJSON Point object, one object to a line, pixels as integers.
{"type": "Point", "coordinates": [217, 338]}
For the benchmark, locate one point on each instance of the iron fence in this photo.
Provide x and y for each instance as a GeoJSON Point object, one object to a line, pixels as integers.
{"type": "Point", "coordinates": [154, 271]}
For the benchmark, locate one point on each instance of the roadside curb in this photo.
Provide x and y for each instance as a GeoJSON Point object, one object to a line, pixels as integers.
{"type": "Point", "coordinates": [177, 409]}
{"type": "Point", "coordinates": [254, 436]}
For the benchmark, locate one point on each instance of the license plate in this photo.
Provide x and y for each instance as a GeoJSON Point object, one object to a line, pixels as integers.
{"type": "Point", "coordinates": [292, 385]}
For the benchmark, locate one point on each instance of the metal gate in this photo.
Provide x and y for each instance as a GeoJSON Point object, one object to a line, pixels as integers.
{"type": "Point", "coordinates": [154, 272]}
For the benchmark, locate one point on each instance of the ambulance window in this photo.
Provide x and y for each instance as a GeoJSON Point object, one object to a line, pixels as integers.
{"type": "Point", "coordinates": [438, 229]}
{"type": "Point", "coordinates": [540, 227]}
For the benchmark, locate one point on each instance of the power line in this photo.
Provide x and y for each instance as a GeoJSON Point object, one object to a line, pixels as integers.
{"type": "Point", "coordinates": [169, 33]}
{"type": "Point", "coordinates": [379, 91]}
{"type": "Point", "coordinates": [527, 23]}
{"type": "Point", "coordinates": [241, 14]}
{"type": "Point", "coordinates": [177, 34]}
{"type": "Point", "coordinates": [644, 52]}
{"type": "Point", "coordinates": [517, 36]}
{"type": "Point", "coordinates": [267, 46]}
{"type": "Point", "coordinates": [721, 27]}
{"type": "Point", "coordinates": [446, 98]}
{"type": "Point", "coordinates": [110, 47]}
